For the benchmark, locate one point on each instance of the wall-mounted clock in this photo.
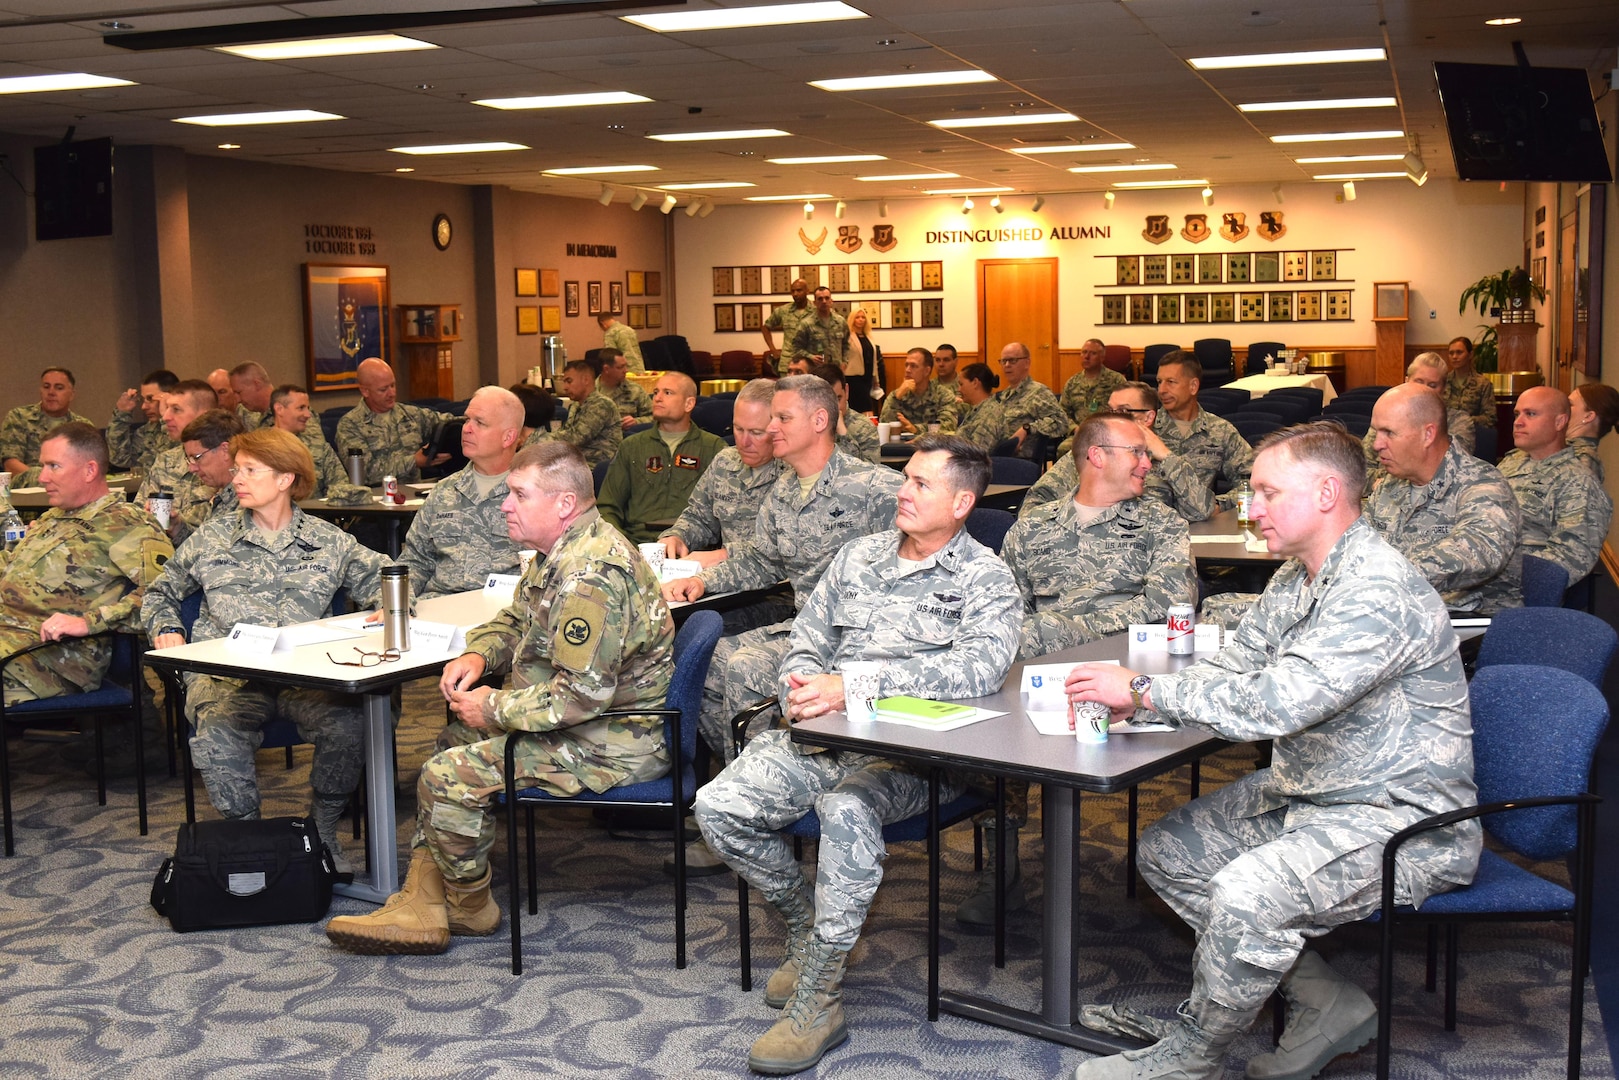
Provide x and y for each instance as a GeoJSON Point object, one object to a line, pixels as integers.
{"type": "Point", "coordinates": [441, 231]}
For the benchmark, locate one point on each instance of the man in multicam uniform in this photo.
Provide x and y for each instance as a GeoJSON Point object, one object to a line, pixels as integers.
{"type": "Point", "coordinates": [655, 471]}
{"type": "Point", "coordinates": [82, 569]}
{"type": "Point", "coordinates": [1210, 445]}
{"type": "Point", "coordinates": [206, 489]}
{"type": "Point", "coordinates": [135, 432]}
{"type": "Point", "coordinates": [1451, 514]}
{"type": "Point", "coordinates": [1088, 391]}
{"type": "Point", "coordinates": [593, 427]}
{"type": "Point", "coordinates": [585, 634]}
{"type": "Point", "coordinates": [393, 435]}
{"type": "Point", "coordinates": [289, 411]}
{"type": "Point", "coordinates": [1426, 369]}
{"type": "Point", "coordinates": [1349, 664]}
{"type": "Point", "coordinates": [458, 537]}
{"type": "Point", "coordinates": [823, 337]}
{"type": "Point", "coordinates": [921, 400]}
{"type": "Point", "coordinates": [857, 435]}
{"type": "Point", "coordinates": [939, 611]}
{"type": "Point", "coordinates": [25, 426]}
{"type": "Point", "coordinates": [787, 318]}
{"type": "Point", "coordinates": [1466, 389]}
{"type": "Point", "coordinates": [1566, 513]}
{"type": "Point", "coordinates": [1027, 407]}
{"type": "Point", "coordinates": [616, 337]}
{"type": "Point", "coordinates": [171, 470]}
{"type": "Point", "coordinates": [633, 403]}
{"type": "Point", "coordinates": [944, 367]}
{"type": "Point", "coordinates": [1171, 482]}
{"type": "Point", "coordinates": [254, 393]}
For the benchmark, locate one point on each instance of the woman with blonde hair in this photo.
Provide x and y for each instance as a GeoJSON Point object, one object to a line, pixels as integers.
{"type": "Point", "coordinates": [863, 365]}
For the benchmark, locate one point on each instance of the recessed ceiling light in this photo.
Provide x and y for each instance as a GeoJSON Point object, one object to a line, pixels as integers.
{"type": "Point", "coordinates": [1346, 159]}
{"type": "Point", "coordinates": [682, 22]}
{"type": "Point", "coordinates": [786, 198]}
{"type": "Point", "coordinates": [1324, 103]}
{"type": "Point", "coordinates": [404, 168]}
{"type": "Point", "coordinates": [701, 136]}
{"type": "Point", "coordinates": [590, 170]}
{"type": "Point", "coordinates": [829, 159]}
{"type": "Point", "coordinates": [334, 46]}
{"type": "Point", "coordinates": [1506, 20]}
{"type": "Point", "coordinates": [910, 176]}
{"type": "Point", "coordinates": [1155, 167]}
{"type": "Point", "coordinates": [1337, 136]}
{"type": "Point", "coordinates": [1360, 176]}
{"type": "Point", "coordinates": [284, 116]}
{"type": "Point", "coordinates": [1160, 183]}
{"type": "Point", "coordinates": [563, 101]}
{"type": "Point", "coordinates": [230, 146]}
{"type": "Point", "coordinates": [67, 80]}
{"type": "Point", "coordinates": [458, 148]}
{"type": "Point", "coordinates": [114, 24]}
{"type": "Point", "coordinates": [706, 185]}
{"type": "Point", "coordinates": [1073, 148]}
{"type": "Point", "coordinates": [906, 81]}
{"type": "Point", "coordinates": [1282, 59]}
{"type": "Point", "coordinates": [965, 190]}
{"type": "Point", "coordinates": [1000, 121]}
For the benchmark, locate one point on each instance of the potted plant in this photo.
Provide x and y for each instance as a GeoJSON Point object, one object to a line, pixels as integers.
{"type": "Point", "coordinates": [1505, 296]}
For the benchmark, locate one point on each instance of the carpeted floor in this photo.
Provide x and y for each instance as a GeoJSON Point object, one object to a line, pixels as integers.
{"type": "Point", "coordinates": [96, 985]}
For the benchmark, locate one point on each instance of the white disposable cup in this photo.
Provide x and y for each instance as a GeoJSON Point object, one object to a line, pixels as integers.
{"type": "Point", "coordinates": [862, 686]}
{"type": "Point", "coordinates": [933, 429]}
{"type": "Point", "coordinates": [885, 432]}
{"type": "Point", "coordinates": [524, 559]}
{"type": "Point", "coordinates": [654, 554]}
{"type": "Point", "coordinates": [1090, 721]}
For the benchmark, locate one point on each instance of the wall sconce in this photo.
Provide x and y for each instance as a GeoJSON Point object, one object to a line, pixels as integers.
{"type": "Point", "coordinates": [996, 203]}
{"type": "Point", "coordinates": [1208, 196]}
{"type": "Point", "coordinates": [639, 200]}
{"type": "Point", "coordinates": [837, 210]}
{"type": "Point", "coordinates": [1039, 202]}
{"type": "Point", "coordinates": [668, 204]}
{"type": "Point", "coordinates": [606, 197]}
{"type": "Point", "coordinates": [1277, 191]}
{"type": "Point", "coordinates": [809, 210]}
{"type": "Point", "coordinates": [708, 208]}
{"type": "Point", "coordinates": [967, 205]}
{"type": "Point", "coordinates": [1349, 191]}
{"type": "Point", "coordinates": [691, 209]}
{"type": "Point", "coordinates": [882, 208]}
{"type": "Point", "coordinates": [1107, 200]}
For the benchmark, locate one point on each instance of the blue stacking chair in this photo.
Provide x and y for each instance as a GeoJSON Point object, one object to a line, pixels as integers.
{"type": "Point", "coordinates": [1214, 354]}
{"type": "Point", "coordinates": [1011, 470]}
{"type": "Point", "coordinates": [1149, 360]}
{"type": "Point", "coordinates": [1310, 395]}
{"type": "Point", "coordinates": [1544, 582]}
{"type": "Point", "coordinates": [1258, 353]}
{"type": "Point", "coordinates": [599, 473]}
{"type": "Point", "coordinates": [714, 414]}
{"type": "Point", "coordinates": [118, 695]}
{"type": "Point", "coordinates": [1292, 410]}
{"type": "Point", "coordinates": [1550, 637]}
{"type": "Point", "coordinates": [1534, 800]}
{"type": "Point", "coordinates": [1255, 426]}
{"type": "Point", "coordinates": [1222, 400]}
{"type": "Point", "coordinates": [988, 526]}
{"type": "Point", "coordinates": [1485, 443]}
{"type": "Point", "coordinates": [694, 648]}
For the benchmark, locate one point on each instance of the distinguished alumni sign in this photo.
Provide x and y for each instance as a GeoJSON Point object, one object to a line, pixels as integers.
{"type": "Point", "coordinates": [1028, 234]}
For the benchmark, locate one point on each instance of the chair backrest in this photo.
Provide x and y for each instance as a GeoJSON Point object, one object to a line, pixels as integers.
{"type": "Point", "coordinates": [1310, 395]}
{"type": "Point", "coordinates": [1011, 470]}
{"type": "Point", "coordinates": [1213, 353]}
{"type": "Point", "coordinates": [715, 414]}
{"type": "Point", "coordinates": [1371, 391]}
{"type": "Point", "coordinates": [1150, 357]}
{"type": "Point", "coordinates": [599, 473]}
{"type": "Point", "coordinates": [1550, 637]}
{"type": "Point", "coordinates": [190, 608]}
{"type": "Point", "coordinates": [1544, 582]}
{"type": "Point", "coordinates": [1485, 443]}
{"type": "Point", "coordinates": [1357, 424]}
{"type": "Point", "coordinates": [1259, 353]}
{"type": "Point", "coordinates": [988, 526]}
{"type": "Point", "coordinates": [1535, 733]}
{"type": "Point", "coordinates": [694, 648]}
{"type": "Point", "coordinates": [1291, 410]}
{"type": "Point", "coordinates": [1117, 357]}
{"type": "Point", "coordinates": [328, 425]}
{"type": "Point", "coordinates": [1359, 406]}
{"type": "Point", "coordinates": [1255, 426]}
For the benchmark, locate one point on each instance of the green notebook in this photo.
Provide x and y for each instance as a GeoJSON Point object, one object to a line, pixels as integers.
{"type": "Point", "coordinates": [915, 708]}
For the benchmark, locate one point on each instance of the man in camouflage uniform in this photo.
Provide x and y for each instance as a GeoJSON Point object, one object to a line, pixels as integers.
{"type": "Point", "coordinates": [656, 470]}
{"type": "Point", "coordinates": [1566, 513]}
{"type": "Point", "coordinates": [1171, 482]}
{"type": "Point", "coordinates": [81, 569]}
{"type": "Point", "coordinates": [1349, 664]}
{"type": "Point", "coordinates": [921, 401]}
{"type": "Point", "coordinates": [1210, 445]}
{"type": "Point", "coordinates": [1089, 390]}
{"type": "Point", "coordinates": [944, 367]}
{"type": "Point", "coordinates": [1027, 407]}
{"type": "Point", "coordinates": [586, 633]}
{"type": "Point", "coordinates": [937, 609]}
{"type": "Point", "coordinates": [135, 432]}
{"type": "Point", "coordinates": [787, 318]}
{"type": "Point", "coordinates": [254, 393]}
{"type": "Point", "coordinates": [593, 427]}
{"type": "Point", "coordinates": [458, 538]}
{"type": "Point", "coordinates": [1451, 514]}
{"type": "Point", "coordinates": [857, 435]}
{"type": "Point", "coordinates": [25, 426]}
{"type": "Point", "coordinates": [1426, 369]}
{"type": "Point", "coordinates": [1466, 389]}
{"type": "Point", "coordinates": [633, 403]}
{"type": "Point", "coordinates": [393, 435]}
{"type": "Point", "coordinates": [616, 337]}
{"type": "Point", "coordinates": [171, 470]}
{"type": "Point", "coordinates": [289, 411]}
{"type": "Point", "coordinates": [823, 337]}
{"type": "Point", "coordinates": [206, 489]}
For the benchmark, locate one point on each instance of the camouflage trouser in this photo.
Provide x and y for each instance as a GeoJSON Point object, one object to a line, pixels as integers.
{"type": "Point", "coordinates": [745, 668]}
{"type": "Point", "coordinates": [229, 716]}
{"type": "Point", "coordinates": [773, 609]}
{"type": "Point", "coordinates": [771, 785]}
{"type": "Point", "coordinates": [1254, 875]}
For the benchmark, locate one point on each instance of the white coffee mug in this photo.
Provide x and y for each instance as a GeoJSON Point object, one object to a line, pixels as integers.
{"type": "Point", "coordinates": [862, 686]}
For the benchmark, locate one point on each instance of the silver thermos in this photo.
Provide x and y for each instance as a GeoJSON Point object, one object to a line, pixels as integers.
{"type": "Point", "coordinates": [396, 608]}
{"type": "Point", "coordinates": [553, 357]}
{"type": "Point", "coordinates": [356, 465]}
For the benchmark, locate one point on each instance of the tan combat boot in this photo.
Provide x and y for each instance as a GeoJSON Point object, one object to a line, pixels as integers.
{"type": "Point", "coordinates": [1327, 1016]}
{"type": "Point", "coordinates": [414, 920]}
{"type": "Point", "coordinates": [1194, 1050]}
{"type": "Point", "coordinates": [798, 910]}
{"type": "Point", "coordinates": [812, 1022]}
{"type": "Point", "coordinates": [471, 909]}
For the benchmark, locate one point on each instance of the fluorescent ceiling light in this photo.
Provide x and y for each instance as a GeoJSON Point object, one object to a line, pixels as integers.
{"type": "Point", "coordinates": [1509, 20]}
{"type": "Point", "coordinates": [67, 80]}
{"type": "Point", "coordinates": [701, 136]}
{"type": "Point", "coordinates": [1323, 103]}
{"type": "Point", "coordinates": [965, 190]}
{"type": "Point", "coordinates": [1156, 167]}
{"type": "Point", "coordinates": [1337, 136]}
{"type": "Point", "coordinates": [1360, 175]}
{"type": "Point", "coordinates": [284, 116]}
{"type": "Point", "coordinates": [1001, 121]}
{"type": "Point", "coordinates": [901, 82]}
{"type": "Point", "coordinates": [706, 185]}
{"type": "Point", "coordinates": [683, 22]}
{"type": "Point", "coordinates": [1161, 183]}
{"type": "Point", "coordinates": [1346, 159]}
{"type": "Point", "coordinates": [458, 148]}
{"type": "Point", "coordinates": [787, 198]}
{"type": "Point", "coordinates": [591, 170]}
{"type": "Point", "coordinates": [1283, 59]}
{"type": "Point", "coordinates": [563, 101]}
{"type": "Point", "coordinates": [334, 46]}
{"type": "Point", "coordinates": [910, 176]}
{"type": "Point", "coordinates": [829, 159]}
{"type": "Point", "coordinates": [1073, 148]}
{"type": "Point", "coordinates": [230, 146]}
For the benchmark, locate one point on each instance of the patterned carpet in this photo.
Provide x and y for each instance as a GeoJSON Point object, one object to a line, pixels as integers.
{"type": "Point", "coordinates": [96, 984]}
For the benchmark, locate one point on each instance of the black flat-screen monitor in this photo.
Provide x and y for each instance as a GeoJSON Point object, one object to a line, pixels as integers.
{"type": "Point", "coordinates": [73, 189]}
{"type": "Point", "coordinates": [1522, 123]}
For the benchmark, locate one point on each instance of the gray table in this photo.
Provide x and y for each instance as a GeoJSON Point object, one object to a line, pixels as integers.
{"type": "Point", "coordinates": [393, 518]}
{"type": "Point", "coordinates": [1009, 746]}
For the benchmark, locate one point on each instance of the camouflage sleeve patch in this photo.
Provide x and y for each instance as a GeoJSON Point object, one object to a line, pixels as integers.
{"type": "Point", "coordinates": [577, 633]}
{"type": "Point", "coordinates": [154, 557]}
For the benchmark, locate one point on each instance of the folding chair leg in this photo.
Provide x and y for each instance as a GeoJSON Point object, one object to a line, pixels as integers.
{"type": "Point", "coordinates": [1133, 819]}
{"type": "Point", "coordinates": [743, 925]}
{"type": "Point", "coordinates": [533, 861]}
{"type": "Point", "coordinates": [1452, 933]}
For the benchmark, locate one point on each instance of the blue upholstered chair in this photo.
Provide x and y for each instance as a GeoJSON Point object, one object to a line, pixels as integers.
{"type": "Point", "coordinates": [1544, 582]}
{"type": "Point", "coordinates": [1259, 354]}
{"type": "Point", "coordinates": [1255, 426]}
{"type": "Point", "coordinates": [1485, 444]}
{"type": "Point", "coordinates": [988, 526]}
{"type": "Point", "coordinates": [1291, 409]}
{"type": "Point", "coordinates": [1550, 637]}
{"type": "Point", "coordinates": [713, 414]}
{"type": "Point", "coordinates": [1011, 470]}
{"type": "Point", "coordinates": [1310, 395]}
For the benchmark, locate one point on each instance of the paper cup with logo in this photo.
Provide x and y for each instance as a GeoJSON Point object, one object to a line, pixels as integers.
{"type": "Point", "coordinates": [862, 686]}
{"type": "Point", "coordinates": [654, 554]}
{"type": "Point", "coordinates": [525, 559]}
{"type": "Point", "coordinates": [1090, 720]}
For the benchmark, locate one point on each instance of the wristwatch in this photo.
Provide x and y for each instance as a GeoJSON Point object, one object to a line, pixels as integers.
{"type": "Point", "coordinates": [1138, 686]}
{"type": "Point", "coordinates": [171, 630]}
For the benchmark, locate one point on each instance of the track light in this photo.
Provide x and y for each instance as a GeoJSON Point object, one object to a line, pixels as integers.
{"type": "Point", "coordinates": [1208, 196]}
{"type": "Point", "coordinates": [1107, 200]}
{"type": "Point", "coordinates": [882, 208]}
{"type": "Point", "coordinates": [967, 205]}
{"type": "Point", "coordinates": [996, 203]}
{"type": "Point", "coordinates": [1415, 168]}
{"type": "Point", "coordinates": [691, 209]}
{"type": "Point", "coordinates": [1277, 191]}
{"type": "Point", "coordinates": [606, 197]}
{"type": "Point", "coordinates": [668, 204]}
{"type": "Point", "coordinates": [1039, 201]}
{"type": "Point", "coordinates": [837, 211]}
{"type": "Point", "coordinates": [708, 208]}
{"type": "Point", "coordinates": [1349, 191]}
{"type": "Point", "coordinates": [809, 210]}
{"type": "Point", "coordinates": [639, 200]}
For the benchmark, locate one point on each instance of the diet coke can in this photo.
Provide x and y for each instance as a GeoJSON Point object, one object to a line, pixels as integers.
{"type": "Point", "coordinates": [1181, 625]}
{"type": "Point", "coordinates": [390, 490]}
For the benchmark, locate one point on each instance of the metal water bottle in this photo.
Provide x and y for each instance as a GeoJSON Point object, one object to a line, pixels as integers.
{"type": "Point", "coordinates": [356, 465]}
{"type": "Point", "coordinates": [396, 608]}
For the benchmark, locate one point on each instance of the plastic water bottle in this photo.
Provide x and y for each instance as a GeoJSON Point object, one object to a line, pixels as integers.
{"type": "Point", "coordinates": [14, 529]}
{"type": "Point", "coordinates": [1245, 505]}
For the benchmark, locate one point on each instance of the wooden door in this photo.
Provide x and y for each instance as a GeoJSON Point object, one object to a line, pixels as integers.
{"type": "Point", "coordinates": [1017, 301]}
{"type": "Point", "coordinates": [1566, 343]}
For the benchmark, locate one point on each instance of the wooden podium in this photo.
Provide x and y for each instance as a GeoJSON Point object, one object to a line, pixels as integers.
{"type": "Point", "coordinates": [1390, 312]}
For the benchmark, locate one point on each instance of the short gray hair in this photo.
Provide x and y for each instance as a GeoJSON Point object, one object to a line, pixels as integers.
{"type": "Point", "coordinates": [559, 467]}
{"type": "Point", "coordinates": [816, 393]}
{"type": "Point", "coordinates": [967, 466]}
{"type": "Point", "coordinates": [757, 392]}
{"type": "Point", "coordinates": [1427, 360]}
{"type": "Point", "coordinates": [1326, 444]}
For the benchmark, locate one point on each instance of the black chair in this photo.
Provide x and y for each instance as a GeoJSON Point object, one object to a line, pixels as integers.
{"type": "Point", "coordinates": [1012, 470]}
{"type": "Point", "coordinates": [1221, 400]}
{"type": "Point", "coordinates": [1361, 406]}
{"type": "Point", "coordinates": [1484, 443]}
{"type": "Point", "coordinates": [1215, 356]}
{"type": "Point", "coordinates": [599, 473]}
{"type": "Point", "coordinates": [714, 414]}
{"type": "Point", "coordinates": [655, 356]}
{"type": "Point", "coordinates": [1255, 426]}
{"type": "Point", "coordinates": [1372, 391]}
{"type": "Point", "coordinates": [1291, 410]}
{"type": "Point", "coordinates": [1357, 424]}
{"type": "Point", "coordinates": [633, 428]}
{"type": "Point", "coordinates": [1259, 355]}
{"type": "Point", "coordinates": [679, 356]}
{"type": "Point", "coordinates": [1149, 360]}
{"type": "Point", "coordinates": [1311, 395]}
{"type": "Point", "coordinates": [988, 526]}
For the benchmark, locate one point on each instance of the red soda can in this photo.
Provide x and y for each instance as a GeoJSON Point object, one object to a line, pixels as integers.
{"type": "Point", "coordinates": [1181, 624]}
{"type": "Point", "coordinates": [390, 490]}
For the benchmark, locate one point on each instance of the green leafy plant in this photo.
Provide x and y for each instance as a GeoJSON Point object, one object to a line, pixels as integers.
{"type": "Point", "coordinates": [1495, 293]}
{"type": "Point", "coordinates": [1486, 350]}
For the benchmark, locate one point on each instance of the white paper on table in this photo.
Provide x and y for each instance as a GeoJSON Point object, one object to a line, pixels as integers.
{"type": "Point", "coordinates": [1047, 704]}
{"type": "Point", "coordinates": [1254, 543]}
{"type": "Point", "coordinates": [1218, 538]}
{"type": "Point", "coordinates": [1137, 727]}
{"type": "Point", "coordinates": [356, 622]}
{"type": "Point", "coordinates": [938, 725]}
{"type": "Point", "coordinates": [250, 640]}
{"type": "Point", "coordinates": [28, 491]}
{"type": "Point", "coordinates": [674, 569]}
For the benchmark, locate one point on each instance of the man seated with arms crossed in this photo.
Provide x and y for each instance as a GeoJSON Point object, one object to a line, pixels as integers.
{"type": "Point", "coordinates": [939, 611]}
{"type": "Point", "coordinates": [135, 433]}
{"type": "Point", "coordinates": [25, 426]}
{"type": "Point", "coordinates": [1210, 445]}
{"type": "Point", "coordinates": [921, 401]}
{"type": "Point", "coordinates": [655, 471]}
{"type": "Point", "coordinates": [458, 537]}
{"type": "Point", "coordinates": [634, 404]}
{"type": "Point", "coordinates": [393, 435]}
{"type": "Point", "coordinates": [593, 426]}
{"type": "Point", "coordinates": [289, 411]}
{"type": "Point", "coordinates": [1088, 391]}
{"type": "Point", "coordinates": [1349, 663]}
{"type": "Point", "coordinates": [857, 435]}
{"type": "Point", "coordinates": [1171, 482]}
{"type": "Point", "coordinates": [171, 470]}
{"type": "Point", "coordinates": [206, 490]}
{"type": "Point", "coordinates": [1426, 369]}
{"type": "Point", "coordinates": [1452, 515]}
{"type": "Point", "coordinates": [585, 634]}
{"type": "Point", "coordinates": [1566, 513]}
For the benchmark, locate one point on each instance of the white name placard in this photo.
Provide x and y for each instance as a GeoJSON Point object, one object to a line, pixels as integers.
{"type": "Point", "coordinates": [436, 637]}
{"type": "Point", "coordinates": [250, 640]}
